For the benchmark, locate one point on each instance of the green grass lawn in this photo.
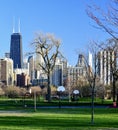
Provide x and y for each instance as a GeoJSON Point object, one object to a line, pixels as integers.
{"type": "Point", "coordinates": [59, 119]}
{"type": "Point", "coordinates": [14, 116]}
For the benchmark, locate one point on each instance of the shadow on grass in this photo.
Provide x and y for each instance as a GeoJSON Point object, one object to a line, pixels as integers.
{"type": "Point", "coordinates": [58, 119]}
{"type": "Point", "coordinates": [49, 122]}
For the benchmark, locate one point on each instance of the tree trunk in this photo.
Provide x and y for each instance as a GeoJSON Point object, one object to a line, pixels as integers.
{"type": "Point", "coordinates": [92, 104]}
{"type": "Point", "coordinates": [114, 91]}
{"type": "Point", "coordinates": [49, 89]}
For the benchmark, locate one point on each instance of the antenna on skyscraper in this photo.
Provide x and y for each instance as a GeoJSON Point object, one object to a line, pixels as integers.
{"type": "Point", "coordinates": [19, 26]}
{"type": "Point", "coordinates": [13, 25]}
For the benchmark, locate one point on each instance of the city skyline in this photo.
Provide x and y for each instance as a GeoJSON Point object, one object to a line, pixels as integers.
{"type": "Point", "coordinates": [67, 20]}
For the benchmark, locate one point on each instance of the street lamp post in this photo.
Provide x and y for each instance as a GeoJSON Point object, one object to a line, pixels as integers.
{"type": "Point", "coordinates": [34, 98]}
{"type": "Point", "coordinates": [69, 85]}
{"type": "Point", "coordinates": [69, 94]}
{"type": "Point", "coordinates": [60, 89]}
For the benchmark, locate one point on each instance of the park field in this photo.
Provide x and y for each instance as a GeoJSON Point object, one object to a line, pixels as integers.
{"type": "Point", "coordinates": [59, 119]}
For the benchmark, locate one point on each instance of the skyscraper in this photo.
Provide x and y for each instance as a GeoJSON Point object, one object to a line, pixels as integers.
{"type": "Point", "coordinates": [16, 49]}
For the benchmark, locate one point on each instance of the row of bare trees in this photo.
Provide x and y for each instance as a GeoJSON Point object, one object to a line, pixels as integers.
{"type": "Point", "coordinates": [12, 91]}
{"type": "Point", "coordinates": [15, 91]}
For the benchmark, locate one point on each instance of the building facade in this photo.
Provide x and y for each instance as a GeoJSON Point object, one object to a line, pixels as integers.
{"type": "Point", "coordinates": [106, 60]}
{"type": "Point", "coordinates": [6, 71]}
{"type": "Point", "coordinates": [57, 74]}
{"type": "Point", "coordinates": [16, 50]}
{"type": "Point", "coordinates": [23, 80]}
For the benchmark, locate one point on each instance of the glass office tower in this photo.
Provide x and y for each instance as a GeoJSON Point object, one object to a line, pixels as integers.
{"type": "Point", "coordinates": [16, 50]}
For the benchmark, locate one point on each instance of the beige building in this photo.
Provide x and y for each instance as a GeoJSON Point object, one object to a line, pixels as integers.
{"type": "Point", "coordinates": [6, 71]}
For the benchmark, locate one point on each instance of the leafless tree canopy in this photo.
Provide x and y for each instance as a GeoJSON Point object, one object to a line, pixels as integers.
{"type": "Point", "coordinates": [105, 19]}
{"type": "Point", "coordinates": [47, 46]}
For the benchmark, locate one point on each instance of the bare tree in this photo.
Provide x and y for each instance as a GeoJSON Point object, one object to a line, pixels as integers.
{"type": "Point", "coordinates": [91, 64]}
{"type": "Point", "coordinates": [106, 20]}
{"type": "Point", "coordinates": [47, 46]}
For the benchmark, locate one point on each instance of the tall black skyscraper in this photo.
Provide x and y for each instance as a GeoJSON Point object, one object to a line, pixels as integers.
{"type": "Point", "coordinates": [16, 49]}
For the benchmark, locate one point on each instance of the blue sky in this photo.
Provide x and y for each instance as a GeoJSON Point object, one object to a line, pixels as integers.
{"type": "Point", "coordinates": [66, 19]}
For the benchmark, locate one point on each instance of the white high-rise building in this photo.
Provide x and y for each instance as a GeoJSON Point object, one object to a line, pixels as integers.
{"type": "Point", "coordinates": [31, 67]}
{"type": "Point", "coordinates": [105, 59]}
{"type": "Point", "coordinates": [57, 73]}
{"type": "Point", "coordinates": [90, 60]}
